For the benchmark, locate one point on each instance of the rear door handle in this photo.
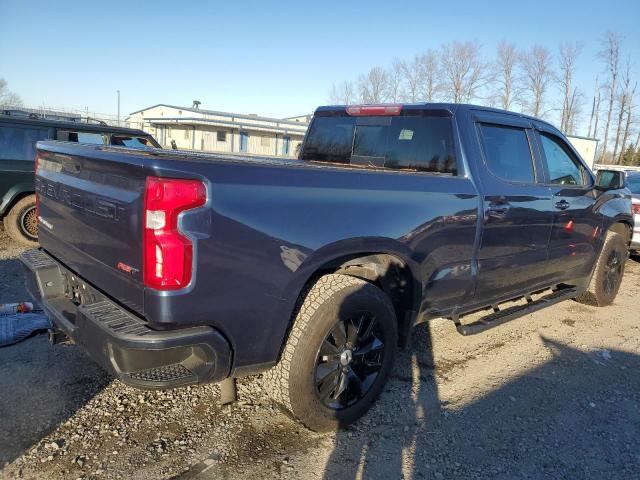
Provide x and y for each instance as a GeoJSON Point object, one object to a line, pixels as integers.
{"type": "Point", "coordinates": [562, 205]}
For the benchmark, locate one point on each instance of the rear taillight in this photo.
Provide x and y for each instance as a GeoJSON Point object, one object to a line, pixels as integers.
{"type": "Point", "coordinates": [373, 110]}
{"type": "Point", "coordinates": [167, 253]}
{"type": "Point", "coordinates": [636, 208]}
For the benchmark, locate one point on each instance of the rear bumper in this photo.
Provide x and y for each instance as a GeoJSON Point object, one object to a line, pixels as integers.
{"type": "Point", "coordinates": [119, 341]}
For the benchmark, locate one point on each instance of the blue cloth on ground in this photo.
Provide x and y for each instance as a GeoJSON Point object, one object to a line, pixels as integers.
{"type": "Point", "coordinates": [18, 326]}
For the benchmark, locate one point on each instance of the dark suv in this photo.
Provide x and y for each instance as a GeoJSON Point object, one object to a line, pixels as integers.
{"type": "Point", "coordinates": [19, 133]}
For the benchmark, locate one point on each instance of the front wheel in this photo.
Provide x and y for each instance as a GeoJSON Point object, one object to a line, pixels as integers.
{"type": "Point", "coordinates": [608, 272]}
{"type": "Point", "coordinates": [338, 355]}
{"type": "Point", "coordinates": [21, 223]}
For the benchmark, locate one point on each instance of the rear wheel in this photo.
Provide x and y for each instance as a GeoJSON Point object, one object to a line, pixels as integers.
{"type": "Point", "coordinates": [338, 355]}
{"type": "Point", "coordinates": [608, 272]}
{"type": "Point", "coordinates": [21, 223]}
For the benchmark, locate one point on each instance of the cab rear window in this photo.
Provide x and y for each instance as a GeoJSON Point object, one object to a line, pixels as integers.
{"type": "Point", "coordinates": [414, 143]}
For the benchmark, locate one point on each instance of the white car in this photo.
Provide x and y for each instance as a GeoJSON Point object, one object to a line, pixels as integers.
{"type": "Point", "coordinates": [633, 184]}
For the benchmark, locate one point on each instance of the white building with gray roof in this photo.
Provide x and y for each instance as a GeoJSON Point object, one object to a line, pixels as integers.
{"type": "Point", "coordinates": [194, 128]}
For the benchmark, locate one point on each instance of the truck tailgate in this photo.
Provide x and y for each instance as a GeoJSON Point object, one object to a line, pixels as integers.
{"type": "Point", "coordinates": [90, 212]}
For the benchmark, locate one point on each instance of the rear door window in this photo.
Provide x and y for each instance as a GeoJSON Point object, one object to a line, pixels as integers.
{"type": "Point", "coordinates": [19, 143]}
{"type": "Point", "coordinates": [507, 152]}
{"type": "Point", "coordinates": [414, 143]}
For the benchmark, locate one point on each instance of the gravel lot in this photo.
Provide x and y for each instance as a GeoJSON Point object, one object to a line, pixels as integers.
{"type": "Point", "coordinates": [555, 394]}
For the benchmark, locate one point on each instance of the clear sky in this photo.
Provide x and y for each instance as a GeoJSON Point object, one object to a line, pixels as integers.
{"type": "Point", "coordinates": [269, 58]}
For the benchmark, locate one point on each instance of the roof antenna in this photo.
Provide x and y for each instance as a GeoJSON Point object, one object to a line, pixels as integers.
{"type": "Point", "coordinates": [196, 104]}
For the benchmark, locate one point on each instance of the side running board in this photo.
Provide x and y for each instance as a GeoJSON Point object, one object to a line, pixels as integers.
{"type": "Point", "coordinates": [502, 316]}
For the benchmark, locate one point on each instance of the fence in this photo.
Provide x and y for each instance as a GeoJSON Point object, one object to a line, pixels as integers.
{"type": "Point", "coordinates": [69, 114]}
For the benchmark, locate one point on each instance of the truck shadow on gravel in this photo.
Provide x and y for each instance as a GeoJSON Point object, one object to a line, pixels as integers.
{"type": "Point", "coordinates": [576, 416]}
{"type": "Point", "coordinates": [40, 386]}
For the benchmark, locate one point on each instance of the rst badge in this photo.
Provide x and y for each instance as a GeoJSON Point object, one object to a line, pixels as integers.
{"type": "Point", "coordinates": [127, 268]}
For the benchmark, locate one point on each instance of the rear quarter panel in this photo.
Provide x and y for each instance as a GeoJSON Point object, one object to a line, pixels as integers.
{"type": "Point", "coordinates": [273, 227]}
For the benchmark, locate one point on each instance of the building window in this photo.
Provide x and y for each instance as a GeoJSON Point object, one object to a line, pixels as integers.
{"type": "Point", "coordinates": [168, 132]}
{"type": "Point", "coordinates": [186, 134]}
{"type": "Point", "coordinates": [222, 136]}
{"type": "Point", "coordinates": [265, 141]}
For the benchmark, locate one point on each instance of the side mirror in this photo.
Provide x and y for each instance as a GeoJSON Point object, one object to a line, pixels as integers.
{"type": "Point", "coordinates": [609, 179]}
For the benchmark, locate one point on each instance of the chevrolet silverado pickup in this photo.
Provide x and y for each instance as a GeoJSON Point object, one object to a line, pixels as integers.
{"type": "Point", "coordinates": [173, 268]}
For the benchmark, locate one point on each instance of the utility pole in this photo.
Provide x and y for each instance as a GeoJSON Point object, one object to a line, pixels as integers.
{"type": "Point", "coordinates": [118, 107]}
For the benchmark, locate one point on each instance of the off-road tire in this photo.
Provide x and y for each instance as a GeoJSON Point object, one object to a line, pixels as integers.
{"type": "Point", "coordinates": [597, 294]}
{"type": "Point", "coordinates": [291, 382]}
{"type": "Point", "coordinates": [21, 223]}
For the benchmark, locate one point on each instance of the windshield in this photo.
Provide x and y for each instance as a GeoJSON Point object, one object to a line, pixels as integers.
{"type": "Point", "coordinates": [407, 142]}
{"type": "Point", "coordinates": [633, 183]}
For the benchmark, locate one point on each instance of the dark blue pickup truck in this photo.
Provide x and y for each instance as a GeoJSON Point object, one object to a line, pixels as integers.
{"type": "Point", "coordinates": [174, 268]}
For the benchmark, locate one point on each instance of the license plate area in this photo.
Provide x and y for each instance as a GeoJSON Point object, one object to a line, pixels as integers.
{"type": "Point", "coordinates": [77, 290]}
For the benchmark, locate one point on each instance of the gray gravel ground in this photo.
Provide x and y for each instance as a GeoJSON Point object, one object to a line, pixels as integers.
{"type": "Point", "coordinates": [552, 395]}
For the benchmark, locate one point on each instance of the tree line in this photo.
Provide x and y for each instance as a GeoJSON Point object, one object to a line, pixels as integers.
{"type": "Point", "coordinates": [517, 79]}
{"type": "Point", "coordinates": [7, 97]}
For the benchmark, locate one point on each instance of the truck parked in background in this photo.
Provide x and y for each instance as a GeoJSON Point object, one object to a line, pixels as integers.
{"type": "Point", "coordinates": [18, 136]}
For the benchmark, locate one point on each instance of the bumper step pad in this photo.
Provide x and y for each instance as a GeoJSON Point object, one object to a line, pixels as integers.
{"type": "Point", "coordinates": [167, 373]}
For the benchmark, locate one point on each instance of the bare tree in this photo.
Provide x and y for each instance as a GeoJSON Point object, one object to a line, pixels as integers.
{"type": "Point", "coordinates": [412, 75]}
{"type": "Point", "coordinates": [627, 126]}
{"type": "Point", "coordinates": [505, 75]}
{"type": "Point", "coordinates": [567, 55]}
{"type": "Point", "coordinates": [421, 77]}
{"type": "Point", "coordinates": [7, 97]}
{"type": "Point", "coordinates": [574, 111]}
{"type": "Point", "coordinates": [610, 54]}
{"type": "Point", "coordinates": [623, 100]}
{"type": "Point", "coordinates": [430, 70]}
{"type": "Point", "coordinates": [394, 86]}
{"type": "Point", "coordinates": [636, 157]}
{"type": "Point", "coordinates": [463, 70]}
{"type": "Point", "coordinates": [627, 95]}
{"type": "Point", "coordinates": [536, 71]}
{"type": "Point", "coordinates": [595, 110]}
{"type": "Point", "coordinates": [372, 87]}
{"type": "Point", "coordinates": [342, 94]}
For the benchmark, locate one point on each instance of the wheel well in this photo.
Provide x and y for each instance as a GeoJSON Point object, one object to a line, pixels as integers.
{"type": "Point", "coordinates": [14, 200]}
{"type": "Point", "coordinates": [623, 228]}
{"type": "Point", "coordinates": [389, 273]}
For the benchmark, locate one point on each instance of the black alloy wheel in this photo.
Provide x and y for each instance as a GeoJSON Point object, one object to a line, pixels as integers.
{"type": "Point", "coordinates": [612, 274]}
{"type": "Point", "coordinates": [349, 361]}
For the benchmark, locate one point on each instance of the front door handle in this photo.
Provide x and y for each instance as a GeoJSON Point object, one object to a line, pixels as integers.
{"type": "Point", "coordinates": [498, 209]}
{"type": "Point", "coordinates": [562, 205]}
